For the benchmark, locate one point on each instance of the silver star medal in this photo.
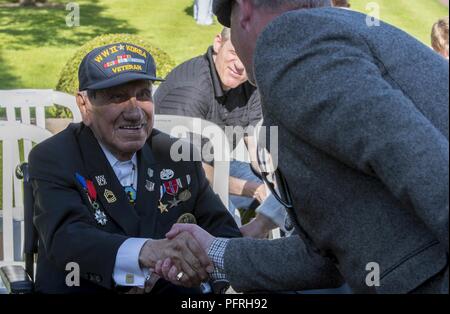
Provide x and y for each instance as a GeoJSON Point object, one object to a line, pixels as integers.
{"type": "Point", "coordinates": [174, 202]}
{"type": "Point", "coordinates": [100, 217]}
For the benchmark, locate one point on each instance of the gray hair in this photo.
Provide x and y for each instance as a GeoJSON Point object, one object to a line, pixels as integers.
{"type": "Point", "coordinates": [292, 4]}
{"type": "Point", "coordinates": [89, 93]}
{"type": "Point", "coordinates": [225, 34]}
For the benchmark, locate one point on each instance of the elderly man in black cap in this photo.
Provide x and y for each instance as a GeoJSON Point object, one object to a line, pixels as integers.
{"type": "Point", "coordinates": [107, 191]}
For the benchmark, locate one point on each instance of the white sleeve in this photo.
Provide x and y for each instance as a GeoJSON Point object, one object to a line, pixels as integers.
{"type": "Point", "coordinates": [127, 271]}
{"type": "Point", "coordinates": [273, 210]}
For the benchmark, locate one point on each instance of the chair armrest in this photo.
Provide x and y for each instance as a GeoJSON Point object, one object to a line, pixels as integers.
{"type": "Point", "coordinates": [16, 279]}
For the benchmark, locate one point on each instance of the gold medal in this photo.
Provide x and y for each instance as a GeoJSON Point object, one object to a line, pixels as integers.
{"type": "Point", "coordinates": [110, 197]}
{"type": "Point", "coordinates": [184, 196]}
{"type": "Point", "coordinates": [187, 219]}
{"type": "Point", "coordinates": [162, 207]}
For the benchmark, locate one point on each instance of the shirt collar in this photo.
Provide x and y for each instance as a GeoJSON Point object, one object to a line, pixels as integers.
{"type": "Point", "coordinates": [217, 84]}
{"type": "Point", "coordinates": [113, 161]}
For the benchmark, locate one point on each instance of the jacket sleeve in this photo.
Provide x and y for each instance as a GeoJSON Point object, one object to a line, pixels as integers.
{"type": "Point", "coordinates": [66, 227]}
{"type": "Point", "coordinates": [327, 89]}
{"type": "Point", "coordinates": [288, 266]}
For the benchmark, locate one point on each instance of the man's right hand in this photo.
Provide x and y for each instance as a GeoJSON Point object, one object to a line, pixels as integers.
{"type": "Point", "coordinates": [166, 268]}
{"type": "Point", "coordinates": [184, 252]}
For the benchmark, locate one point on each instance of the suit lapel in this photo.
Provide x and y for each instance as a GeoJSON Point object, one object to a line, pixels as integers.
{"type": "Point", "coordinates": [148, 193]}
{"type": "Point", "coordinates": [110, 192]}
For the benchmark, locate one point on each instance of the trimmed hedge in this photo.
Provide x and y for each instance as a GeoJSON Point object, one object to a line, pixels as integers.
{"type": "Point", "coordinates": [68, 80]}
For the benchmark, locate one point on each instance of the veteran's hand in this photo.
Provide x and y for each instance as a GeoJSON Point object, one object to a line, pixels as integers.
{"type": "Point", "coordinates": [204, 239]}
{"type": "Point", "coordinates": [185, 254]}
{"type": "Point", "coordinates": [166, 268]}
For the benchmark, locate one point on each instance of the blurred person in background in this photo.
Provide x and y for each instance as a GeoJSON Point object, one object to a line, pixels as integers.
{"type": "Point", "coordinates": [439, 37]}
{"type": "Point", "coordinates": [341, 3]}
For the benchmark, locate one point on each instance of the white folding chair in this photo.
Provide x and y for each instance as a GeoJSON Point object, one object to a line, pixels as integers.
{"type": "Point", "coordinates": [20, 105]}
{"type": "Point", "coordinates": [12, 205]}
{"type": "Point", "coordinates": [179, 126]}
{"type": "Point", "coordinates": [39, 99]}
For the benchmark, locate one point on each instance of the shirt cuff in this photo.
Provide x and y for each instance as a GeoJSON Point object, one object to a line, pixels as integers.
{"type": "Point", "coordinates": [216, 253]}
{"type": "Point", "coordinates": [273, 210]}
{"type": "Point", "coordinates": [127, 271]}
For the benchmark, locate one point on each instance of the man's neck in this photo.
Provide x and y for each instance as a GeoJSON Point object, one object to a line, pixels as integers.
{"type": "Point", "coordinates": [123, 157]}
{"type": "Point", "coordinates": [119, 156]}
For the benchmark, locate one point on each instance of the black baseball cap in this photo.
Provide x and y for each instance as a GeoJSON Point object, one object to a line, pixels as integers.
{"type": "Point", "coordinates": [114, 65]}
{"type": "Point", "coordinates": [222, 9]}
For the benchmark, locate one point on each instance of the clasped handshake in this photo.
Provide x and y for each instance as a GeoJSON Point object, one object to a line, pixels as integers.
{"type": "Point", "coordinates": [182, 257]}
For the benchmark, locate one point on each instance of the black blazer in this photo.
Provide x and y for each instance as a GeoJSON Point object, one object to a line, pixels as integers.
{"type": "Point", "coordinates": [64, 217]}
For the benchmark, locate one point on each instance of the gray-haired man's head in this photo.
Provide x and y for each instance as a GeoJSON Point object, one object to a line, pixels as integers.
{"type": "Point", "coordinates": [248, 18]}
{"type": "Point", "coordinates": [229, 67]}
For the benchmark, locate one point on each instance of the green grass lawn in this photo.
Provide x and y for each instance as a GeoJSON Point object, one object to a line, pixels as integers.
{"type": "Point", "coordinates": [36, 43]}
{"type": "Point", "coordinates": [414, 16]}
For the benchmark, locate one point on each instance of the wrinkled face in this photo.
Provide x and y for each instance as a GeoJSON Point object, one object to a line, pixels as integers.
{"type": "Point", "coordinates": [121, 117]}
{"type": "Point", "coordinates": [230, 69]}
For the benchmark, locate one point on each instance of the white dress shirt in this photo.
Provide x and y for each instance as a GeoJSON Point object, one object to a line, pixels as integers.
{"type": "Point", "coordinates": [127, 271]}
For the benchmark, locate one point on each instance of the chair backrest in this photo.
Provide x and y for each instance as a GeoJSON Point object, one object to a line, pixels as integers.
{"type": "Point", "coordinates": [11, 134]}
{"type": "Point", "coordinates": [38, 99]}
{"type": "Point", "coordinates": [179, 126]}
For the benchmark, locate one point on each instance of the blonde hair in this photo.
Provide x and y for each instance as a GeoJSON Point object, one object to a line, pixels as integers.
{"type": "Point", "coordinates": [439, 36]}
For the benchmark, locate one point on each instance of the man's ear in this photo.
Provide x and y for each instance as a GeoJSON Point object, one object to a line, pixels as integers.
{"type": "Point", "coordinates": [218, 42]}
{"type": "Point", "coordinates": [83, 104]}
{"type": "Point", "coordinates": [246, 13]}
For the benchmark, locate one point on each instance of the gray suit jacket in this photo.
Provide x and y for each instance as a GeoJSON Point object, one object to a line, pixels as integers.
{"type": "Point", "coordinates": [363, 130]}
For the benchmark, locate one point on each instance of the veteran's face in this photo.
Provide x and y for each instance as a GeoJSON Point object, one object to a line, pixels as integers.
{"type": "Point", "coordinates": [121, 117]}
